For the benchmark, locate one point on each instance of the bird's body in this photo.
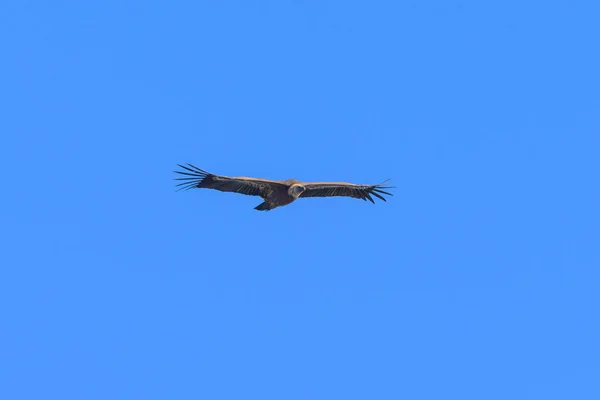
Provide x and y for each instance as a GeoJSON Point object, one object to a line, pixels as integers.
{"type": "Point", "coordinates": [276, 193]}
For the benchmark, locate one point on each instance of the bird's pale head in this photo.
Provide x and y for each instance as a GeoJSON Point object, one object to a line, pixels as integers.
{"type": "Point", "coordinates": [296, 190]}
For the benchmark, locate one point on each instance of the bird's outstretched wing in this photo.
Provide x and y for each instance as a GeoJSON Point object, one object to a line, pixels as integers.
{"type": "Point", "coordinates": [195, 177]}
{"type": "Point", "coordinates": [326, 189]}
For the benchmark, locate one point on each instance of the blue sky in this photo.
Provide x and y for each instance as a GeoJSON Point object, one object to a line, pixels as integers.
{"type": "Point", "coordinates": [477, 280]}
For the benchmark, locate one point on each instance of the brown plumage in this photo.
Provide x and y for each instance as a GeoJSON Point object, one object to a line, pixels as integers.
{"type": "Point", "coordinates": [276, 193]}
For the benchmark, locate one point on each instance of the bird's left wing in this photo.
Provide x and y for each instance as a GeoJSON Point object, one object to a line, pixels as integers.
{"type": "Point", "coordinates": [195, 177]}
{"type": "Point", "coordinates": [326, 189]}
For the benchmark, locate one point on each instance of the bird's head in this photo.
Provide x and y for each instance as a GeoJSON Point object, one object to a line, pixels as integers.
{"type": "Point", "coordinates": [296, 190]}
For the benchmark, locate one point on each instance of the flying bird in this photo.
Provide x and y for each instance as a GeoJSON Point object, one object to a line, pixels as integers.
{"type": "Point", "coordinates": [276, 193]}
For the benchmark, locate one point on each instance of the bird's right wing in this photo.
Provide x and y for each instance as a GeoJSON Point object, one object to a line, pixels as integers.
{"type": "Point", "coordinates": [326, 189]}
{"type": "Point", "coordinates": [195, 177]}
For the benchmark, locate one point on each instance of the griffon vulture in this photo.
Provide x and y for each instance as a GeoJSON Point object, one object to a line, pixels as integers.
{"type": "Point", "coordinates": [276, 193]}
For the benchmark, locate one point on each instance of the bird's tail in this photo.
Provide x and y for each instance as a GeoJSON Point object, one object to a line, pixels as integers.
{"type": "Point", "coordinates": [263, 207]}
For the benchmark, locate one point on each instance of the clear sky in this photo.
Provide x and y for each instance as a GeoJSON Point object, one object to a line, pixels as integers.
{"type": "Point", "coordinates": [479, 278]}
